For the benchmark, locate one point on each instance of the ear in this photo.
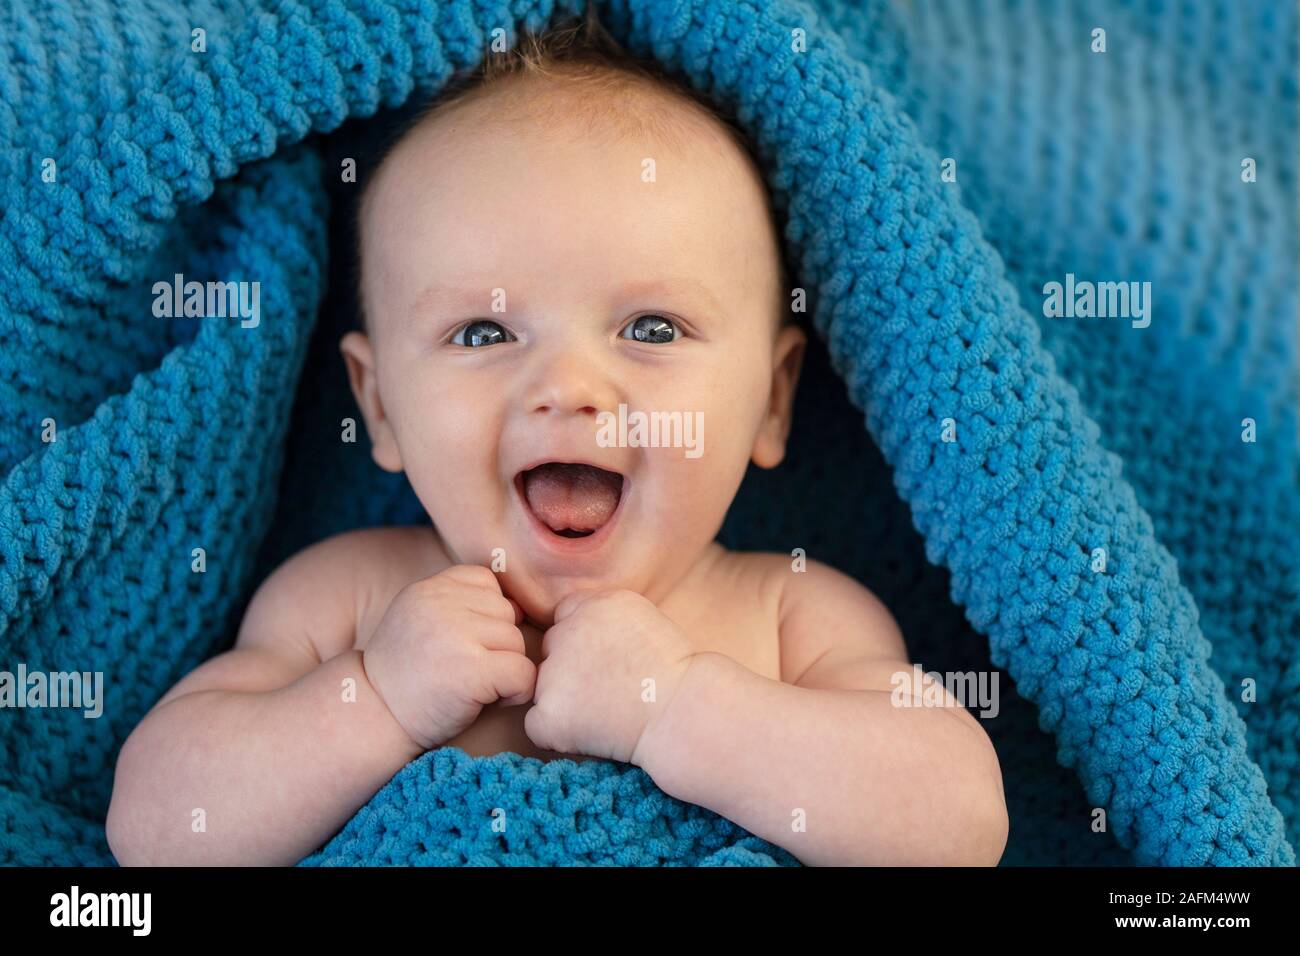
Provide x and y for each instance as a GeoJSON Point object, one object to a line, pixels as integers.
{"type": "Point", "coordinates": [360, 360]}
{"type": "Point", "coordinates": [787, 361]}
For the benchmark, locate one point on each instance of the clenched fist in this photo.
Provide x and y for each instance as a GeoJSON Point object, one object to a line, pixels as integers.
{"type": "Point", "coordinates": [448, 646]}
{"type": "Point", "coordinates": [611, 665]}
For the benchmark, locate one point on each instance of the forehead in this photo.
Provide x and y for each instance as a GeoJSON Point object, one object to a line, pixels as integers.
{"type": "Point", "coordinates": [533, 190]}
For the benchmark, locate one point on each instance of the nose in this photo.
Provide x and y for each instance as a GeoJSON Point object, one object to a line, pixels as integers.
{"type": "Point", "coordinates": [569, 381]}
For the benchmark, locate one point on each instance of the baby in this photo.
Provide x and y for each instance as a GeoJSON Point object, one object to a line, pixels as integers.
{"type": "Point", "coordinates": [569, 235]}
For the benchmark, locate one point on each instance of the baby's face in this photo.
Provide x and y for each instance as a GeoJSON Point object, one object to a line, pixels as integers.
{"type": "Point", "coordinates": [523, 279]}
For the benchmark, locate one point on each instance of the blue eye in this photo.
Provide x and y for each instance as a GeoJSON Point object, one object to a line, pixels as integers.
{"type": "Point", "coordinates": [479, 333]}
{"type": "Point", "coordinates": [652, 328]}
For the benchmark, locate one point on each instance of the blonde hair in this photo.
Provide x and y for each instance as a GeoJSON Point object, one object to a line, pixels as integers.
{"type": "Point", "coordinates": [581, 54]}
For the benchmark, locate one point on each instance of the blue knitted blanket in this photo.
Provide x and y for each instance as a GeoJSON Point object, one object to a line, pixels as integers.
{"type": "Point", "coordinates": [1101, 507]}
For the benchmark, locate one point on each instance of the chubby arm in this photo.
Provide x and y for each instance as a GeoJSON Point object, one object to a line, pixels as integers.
{"type": "Point", "coordinates": [824, 763]}
{"type": "Point", "coordinates": [263, 738]}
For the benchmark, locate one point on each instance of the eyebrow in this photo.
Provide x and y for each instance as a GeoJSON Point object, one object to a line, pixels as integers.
{"type": "Point", "coordinates": [464, 296]}
{"type": "Point", "coordinates": [668, 285]}
{"type": "Point", "coordinates": [469, 297]}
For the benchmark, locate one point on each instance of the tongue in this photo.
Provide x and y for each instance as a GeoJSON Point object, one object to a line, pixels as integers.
{"type": "Point", "coordinates": [572, 497]}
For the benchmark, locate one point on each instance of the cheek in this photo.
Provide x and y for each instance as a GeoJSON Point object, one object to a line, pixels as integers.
{"type": "Point", "coordinates": [731, 398]}
{"type": "Point", "coordinates": [691, 487]}
{"type": "Point", "coordinates": [447, 427]}
{"type": "Point", "coordinates": [441, 413]}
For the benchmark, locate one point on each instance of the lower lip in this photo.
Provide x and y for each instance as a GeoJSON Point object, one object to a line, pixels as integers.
{"type": "Point", "coordinates": [558, 543]}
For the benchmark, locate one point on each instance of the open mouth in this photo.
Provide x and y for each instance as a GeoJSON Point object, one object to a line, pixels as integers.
{"type": "Point", "coordinates": [572, 499]}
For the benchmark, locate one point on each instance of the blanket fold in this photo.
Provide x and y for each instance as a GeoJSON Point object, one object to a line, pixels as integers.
{"type": "Point", "coordinates": [1104, 512]}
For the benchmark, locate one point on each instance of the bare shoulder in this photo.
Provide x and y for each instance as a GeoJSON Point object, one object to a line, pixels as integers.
{"type": "Point", "coordinates": [321, 594]}
{"type": "Point", "coordinates": [397, 556]}
{"type": "Point", "coordinates": [386, 550]}
{"type": "Point", "coordinates": [834, 631]}
{"type": "Point", "coordinates": [307, 610]}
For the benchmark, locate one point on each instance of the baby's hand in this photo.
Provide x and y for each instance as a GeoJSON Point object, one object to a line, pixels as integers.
{"type": "Point", "coordinates": [611, 664]}
{"type": "Point", "coordinates": [448, 646]}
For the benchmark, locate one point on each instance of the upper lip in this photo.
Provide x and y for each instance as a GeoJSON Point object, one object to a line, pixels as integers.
{"type": "Point", "coordinates": [569, 461]}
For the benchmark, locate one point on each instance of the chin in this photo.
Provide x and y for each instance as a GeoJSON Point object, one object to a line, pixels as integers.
{"type": "Point", "coordinates": [539, 597]}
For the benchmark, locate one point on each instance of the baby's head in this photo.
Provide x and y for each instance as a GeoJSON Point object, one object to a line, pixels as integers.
{"type": "Point", "coordinates": [564, 247]}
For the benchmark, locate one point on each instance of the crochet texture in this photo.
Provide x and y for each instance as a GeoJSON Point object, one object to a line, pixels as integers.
{"type": "Point", "coordinates": [1121, 691]}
